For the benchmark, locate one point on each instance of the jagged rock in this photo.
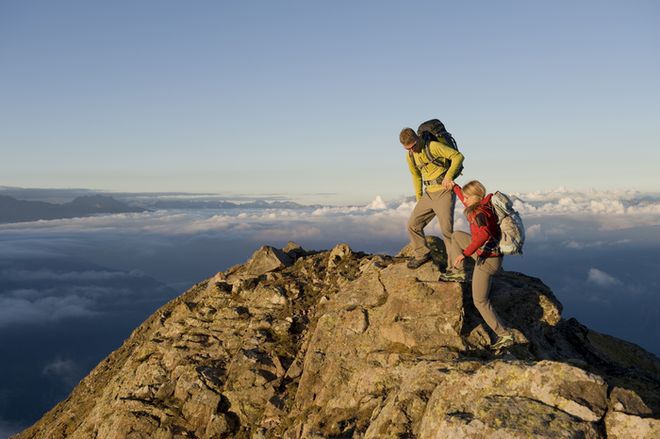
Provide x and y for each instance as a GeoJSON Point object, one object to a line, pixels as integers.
{"type": "Point", "coordinates": [294, 251]}
{"type": "Point", "coordinates": [297, 344]}
{"type": "Point", "coordinates": [511, 396]}
{"type": "Point", "coordinates": [338, 253]}
{"type": "Point", "coordinates": [267, 259]}
{"type": "Point", "coordinates": [622, 426]}
{"type": "Point", "coordinates": [509, 418]}
{"type": "Point", "coordinates": [627, 401]}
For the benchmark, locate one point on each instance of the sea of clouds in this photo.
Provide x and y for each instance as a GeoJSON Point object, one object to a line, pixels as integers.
{"type": "Point", "coordinates": [177, 247]}
{"type": "Point", "coordinates": [71, 290]}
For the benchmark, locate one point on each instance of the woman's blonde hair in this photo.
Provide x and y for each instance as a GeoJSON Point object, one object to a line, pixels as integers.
{"type": "Point", "coordinates": [474, 188]}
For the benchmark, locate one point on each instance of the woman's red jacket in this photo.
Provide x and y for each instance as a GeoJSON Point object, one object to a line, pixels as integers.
{"type": "Point", "coordinates": [484, 228]}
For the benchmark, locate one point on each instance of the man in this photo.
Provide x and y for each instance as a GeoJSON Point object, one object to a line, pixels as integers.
{"type": "Point", "coordinates": [436, 173]}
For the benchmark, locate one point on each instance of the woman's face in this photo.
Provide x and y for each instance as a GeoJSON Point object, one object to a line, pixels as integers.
{"type": "Point", "coordinates": [472, 199]}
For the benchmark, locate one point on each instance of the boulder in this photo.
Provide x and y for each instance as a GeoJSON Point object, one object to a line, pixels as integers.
{"type": "Point", "coordinates": [627, 401]}
{"type": "Point", "coordinates": [294, 251]}
{"type": "Point", "coordinates": [620, 425]}
{"type": "Point", "coordinates": [267, 259]}
{"type": "Point", "coordinates": [509, 396]}
{"type": "Point", "coordinates": [339, 253]}
{"type": "Point", "coordinates": [501, 417]}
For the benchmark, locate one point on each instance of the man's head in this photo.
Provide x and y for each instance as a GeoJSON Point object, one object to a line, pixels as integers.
{"type": "Point", "coordinates": [408, 138]}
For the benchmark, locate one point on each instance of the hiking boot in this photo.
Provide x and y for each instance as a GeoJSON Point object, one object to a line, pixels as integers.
{"type": "Point", "coordinates": [418, 262]}
{"type": "Point", "coordinates": [453, 276]}
{"type": "Point", "coordinates": [502, 342]}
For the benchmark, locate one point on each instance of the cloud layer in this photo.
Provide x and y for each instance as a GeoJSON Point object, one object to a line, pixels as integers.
{"type": "Point", "coordinates": [611, 210]}
{"type": "Point", "coordinates": [83, 284]}
{"type": "Point", "coordinates": [184, 246]}
{"type": "Point", "coordinates": [564, 201]}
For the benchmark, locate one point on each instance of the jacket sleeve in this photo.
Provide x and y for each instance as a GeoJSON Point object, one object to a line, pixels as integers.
{"type": "Point", "coordinates": [480, 237]}
{"type": "Point", "coordinates": [416, 177]}
{"type": "Point", "coordinates": [455, 157]}
{"type": "Point", "coordinates": [459, 193]}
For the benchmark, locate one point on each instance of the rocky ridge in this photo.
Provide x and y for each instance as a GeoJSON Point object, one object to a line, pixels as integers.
{"type": "Point", "coordinates": [343, 344]}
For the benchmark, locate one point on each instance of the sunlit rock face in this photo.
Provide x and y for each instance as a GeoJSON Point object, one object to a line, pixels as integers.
{"type": "Point", "coordinates": [341, 344]}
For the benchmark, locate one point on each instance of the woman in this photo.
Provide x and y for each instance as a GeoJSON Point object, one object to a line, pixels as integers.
{"type": "Point", "coordinates": [482, 245]}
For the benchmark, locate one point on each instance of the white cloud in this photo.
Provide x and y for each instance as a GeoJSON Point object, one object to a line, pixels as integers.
{"type": "Point", "coordinates": [63, 369]}
{"type": "Point", "coordinates": [43, 300]}
{"type": "Point", "coordinates": [609, 210]}
{"type": "Point", "coordinates": [44, 309]}
{"type": "Point", "coordinates": [550, 217]}
{"type": "Point", "coordinates": [644, 208]}
{"type": "Point", "coordinates": [22, 245]}
{"type": "Point", "coordinates": [49, 275]}
{"type": "Point", "coordinates": [560, 218]}
{"type": "Point", "coordinates": [563, 202]}
{"type": "Point", "coordinates": [582, 244]}
{"type": "Point", "coordinates": [460, 223]}
{"type": "Point", "coordinates": [377, 204]}
{"type": "Point", "coordinates": [602, 279]}
{"type": "Point", "coordinates": [533, 231]}
{"type": "Point", "coordinates": [59, 367]}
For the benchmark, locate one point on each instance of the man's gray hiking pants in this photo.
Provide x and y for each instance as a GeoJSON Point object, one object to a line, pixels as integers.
{"type": "Point", "coordinates": [432, 204]}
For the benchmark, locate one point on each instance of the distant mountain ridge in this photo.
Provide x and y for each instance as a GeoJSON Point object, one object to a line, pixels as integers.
{"type": "Point", "coordinates": [153, 200]}
{"type": "Point", "coordinates": [13, 210]}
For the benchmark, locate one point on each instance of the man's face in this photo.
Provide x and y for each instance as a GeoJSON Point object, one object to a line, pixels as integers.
{"type": "Point", "coordinates": [410, 146]}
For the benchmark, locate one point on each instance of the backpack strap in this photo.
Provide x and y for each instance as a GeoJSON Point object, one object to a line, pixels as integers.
{"type": "Point", "coordinates": [482, 215]}
{"type": "Point", "coordinates": [434, 129]}
{"type": "Point", "coordinates": [427, 151]}
{"type": "Point", "coordinates": [419, 166]}
{"type": "Point", "coordinates": [450, 139]}
{"type": "Point", "coordinates": [438, 161]}
{"type": "Point", "coordinates": [412, 157]}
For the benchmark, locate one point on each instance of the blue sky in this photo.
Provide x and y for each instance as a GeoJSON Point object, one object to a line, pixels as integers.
{"type": "Point", "coordinates": [307, 98]}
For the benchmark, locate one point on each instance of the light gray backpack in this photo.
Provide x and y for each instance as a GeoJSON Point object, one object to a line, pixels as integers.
{"type": "Point", "coordinates": [513, 231]}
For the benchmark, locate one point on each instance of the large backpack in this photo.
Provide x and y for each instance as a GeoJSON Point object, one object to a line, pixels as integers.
{"type": "Point", "coordinates": [511, 225]}
{"type": "Point", "coordinates": [434, 130]}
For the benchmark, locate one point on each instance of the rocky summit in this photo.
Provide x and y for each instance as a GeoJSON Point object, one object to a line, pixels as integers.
{"type": "Point", "coordinates": [343, 344]}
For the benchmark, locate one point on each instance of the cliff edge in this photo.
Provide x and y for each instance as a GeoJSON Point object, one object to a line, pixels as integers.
{"type": "Point", "coordinates": [343, 344]}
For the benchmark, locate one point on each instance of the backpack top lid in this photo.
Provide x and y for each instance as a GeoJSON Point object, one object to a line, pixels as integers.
{"type": "Point", "coordinates": [433, 128]}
